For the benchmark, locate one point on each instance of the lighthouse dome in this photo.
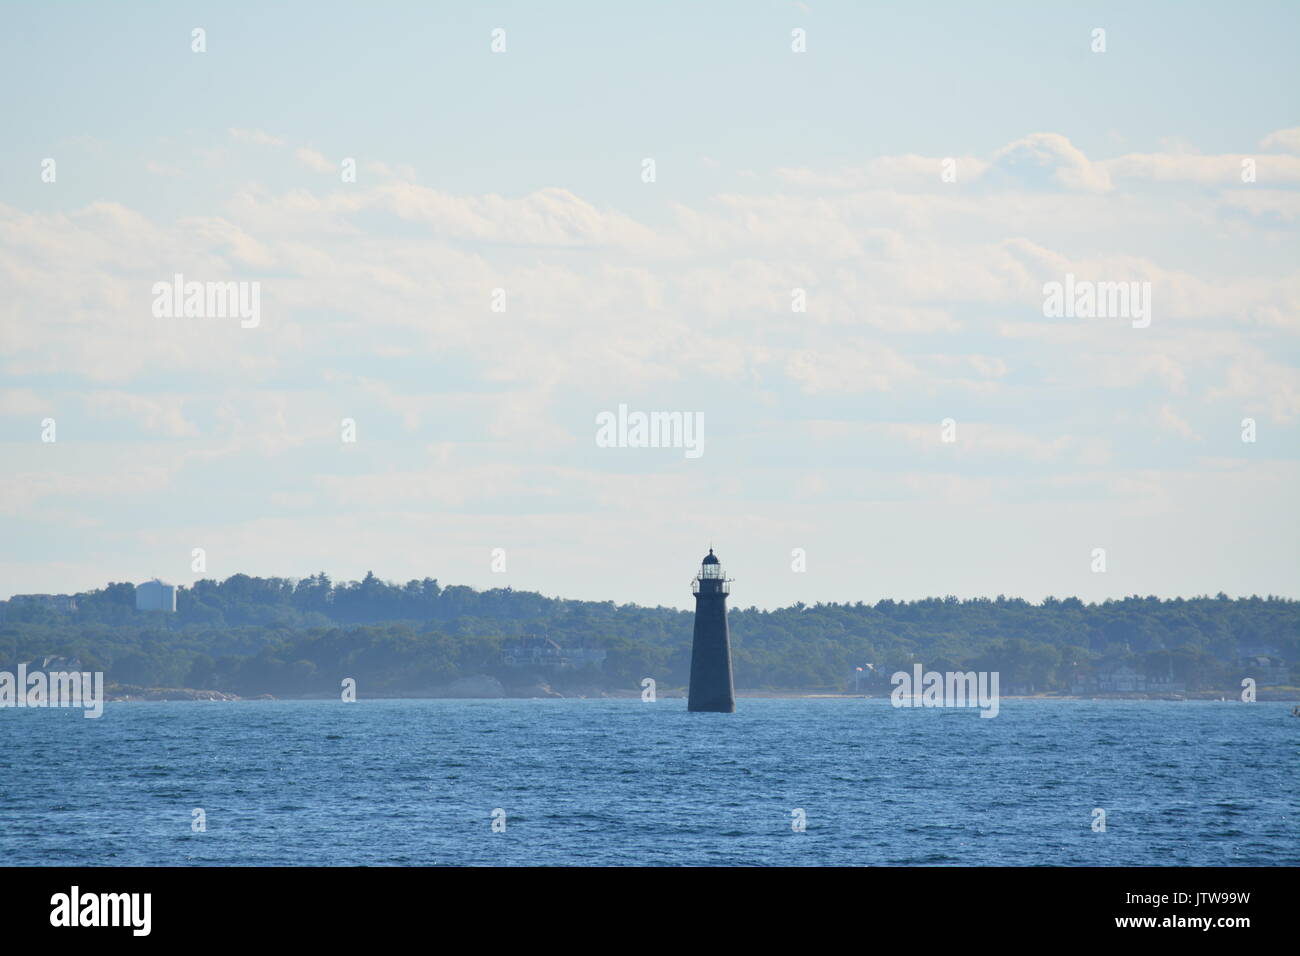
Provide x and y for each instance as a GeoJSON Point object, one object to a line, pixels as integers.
{"type": "Point", "coordinates": [711, 558]}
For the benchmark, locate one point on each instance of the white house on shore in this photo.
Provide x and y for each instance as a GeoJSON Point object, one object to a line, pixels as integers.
{"type": "Point", "coordinates": [155, 595]}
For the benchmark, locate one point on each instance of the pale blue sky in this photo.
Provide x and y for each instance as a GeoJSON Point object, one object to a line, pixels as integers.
{"type": "Point", "coordinates": [775, 170]}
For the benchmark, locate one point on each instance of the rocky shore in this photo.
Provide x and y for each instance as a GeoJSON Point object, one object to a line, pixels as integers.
{"type": "Point", "coordinates": [127, 692]}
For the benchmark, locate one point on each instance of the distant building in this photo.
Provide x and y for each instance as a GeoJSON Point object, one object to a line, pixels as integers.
{"type": "Point", "coordinates": [1120, 677]}
{"type": "Point", "coordinates": [155, 595]}
{"type": "Point", "coordinates": [1265, 670]}
{"type": "Point", "coordinates": [60, 603]}
{"type": "Point", "coordinates": [54, 663]}
{"type": "Point", "coordinates": [543, 652]}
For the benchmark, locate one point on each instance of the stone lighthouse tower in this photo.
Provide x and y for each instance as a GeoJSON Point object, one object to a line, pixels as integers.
{"type": "Point", "coordinates": [711, 685]}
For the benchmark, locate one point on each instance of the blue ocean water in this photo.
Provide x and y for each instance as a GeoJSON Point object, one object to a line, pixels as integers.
{"type": "Point", "coordinates": [613, 782]}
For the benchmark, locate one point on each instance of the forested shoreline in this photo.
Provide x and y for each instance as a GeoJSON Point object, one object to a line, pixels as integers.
{"type": "Point", "coordinates": [300, 637]}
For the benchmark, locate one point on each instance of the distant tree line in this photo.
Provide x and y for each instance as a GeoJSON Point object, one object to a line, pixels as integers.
{"type": "Point", "coordinates": [285, 637]}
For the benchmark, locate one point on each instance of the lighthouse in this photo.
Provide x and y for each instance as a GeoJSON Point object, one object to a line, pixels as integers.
{"type": "Point", "coordinates": [711, 685]}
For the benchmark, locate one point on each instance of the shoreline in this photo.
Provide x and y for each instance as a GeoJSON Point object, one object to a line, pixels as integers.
{"type": "Point", "coordinates": [175, 694]}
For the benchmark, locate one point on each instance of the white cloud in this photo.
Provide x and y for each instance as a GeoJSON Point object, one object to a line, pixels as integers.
{"type": "Point", "coordinates": [849, 368]}
{"type": "Point", "coordinates": [1287, 140]}
{"type": "Point", "coordinates": [1172, 421]}
{"type": "Point", "coordinates": [23, 403]}
{"type": "Point", "coordinates": [1047, 159]}
{"type": "Point", "coordinates": [256, 136]}
{"type": "Point", "coordinates": [924, 299]}
{"type": "Point", "coordinates": [314, 160]}
{"type": "Point", "coordinates": [1192, 168]}
{"type": "Point", "coordinates": [162, 169]}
